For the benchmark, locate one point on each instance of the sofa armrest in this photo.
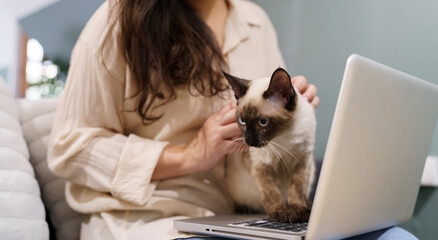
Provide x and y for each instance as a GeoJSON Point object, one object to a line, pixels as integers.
{"type": "Point", "coordinates": [36, 119]}
{"type": "Point", "coordinates": [22, 213]}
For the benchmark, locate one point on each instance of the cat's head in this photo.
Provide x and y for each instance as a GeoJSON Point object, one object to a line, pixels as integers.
{"type": "Point", "coordinates": [265, 107]}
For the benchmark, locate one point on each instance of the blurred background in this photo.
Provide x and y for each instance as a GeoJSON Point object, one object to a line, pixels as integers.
{"type": "Point", "coordinates": [315, 36]}
{"type": "Point", "coordinates": [36, 41]}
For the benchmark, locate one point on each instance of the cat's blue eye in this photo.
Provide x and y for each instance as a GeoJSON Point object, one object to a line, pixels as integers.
{"type": "Point", "coordinates": [263, 122]}
{"type": "Point", "coordinates": [241, 121]}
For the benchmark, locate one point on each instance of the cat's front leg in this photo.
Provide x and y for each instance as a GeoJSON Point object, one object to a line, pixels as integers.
{"type": "Point", "coordinates": [297, 193]}
{"type": "Point", "coordinates": [271, 196]}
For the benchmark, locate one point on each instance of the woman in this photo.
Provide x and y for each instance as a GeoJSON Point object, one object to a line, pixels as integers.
{"type": "Point", "coordinates": [145, 101]}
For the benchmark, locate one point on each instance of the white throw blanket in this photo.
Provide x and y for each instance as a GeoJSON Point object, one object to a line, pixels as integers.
{"type": "Point", "coordinates": [22, 214]}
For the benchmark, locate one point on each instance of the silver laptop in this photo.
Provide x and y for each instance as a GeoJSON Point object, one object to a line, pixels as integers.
{"type": "Point", "coordinates": [371, 173]}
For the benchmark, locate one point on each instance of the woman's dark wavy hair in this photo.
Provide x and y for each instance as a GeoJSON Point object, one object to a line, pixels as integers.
{"type": "Point", "coordinates": [165, 43]}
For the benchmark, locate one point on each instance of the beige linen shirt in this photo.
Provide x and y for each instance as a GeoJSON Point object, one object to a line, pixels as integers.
{"type": "Point", "coordinates": [105, 152]}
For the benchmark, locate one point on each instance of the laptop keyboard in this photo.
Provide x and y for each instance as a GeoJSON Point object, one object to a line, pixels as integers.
{"type": "Point", "coordinates": [278, 226]}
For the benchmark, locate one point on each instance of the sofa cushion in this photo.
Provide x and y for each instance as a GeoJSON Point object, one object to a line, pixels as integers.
{"type": "Point", "coordinates": [36, 121]}
{"type": "Point", "coordinates": [22, 214]}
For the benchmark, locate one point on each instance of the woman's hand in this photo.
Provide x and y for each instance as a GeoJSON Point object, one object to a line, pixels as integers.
{"type": "Point", "coordinates": [307, 90]}
{"type": "Point", "coordinates": [215, 139]}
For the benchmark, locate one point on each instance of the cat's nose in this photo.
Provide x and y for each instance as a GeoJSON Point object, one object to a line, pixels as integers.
{"type": "Point", "coordinates": [252, 141]}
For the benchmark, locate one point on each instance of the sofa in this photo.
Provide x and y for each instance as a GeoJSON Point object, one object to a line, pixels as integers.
{"type": "Point", "coordinates": [32, 201]}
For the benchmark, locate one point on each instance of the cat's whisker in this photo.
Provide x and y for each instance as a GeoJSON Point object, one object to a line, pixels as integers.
{"type": "Point", "coordinates": [280, 158]}
{"type": "Point", "coordinates": [272, 153]}
{"type": "Point", "coordinates": [282, 162]}
{"type": "Point", "coordinates": [287, 151]}
{"type": "Point", "coordinates": [241, 147]}
{"type": "Point", "coordinates": [272, 149]}
{"type": "Point", "coordinates": [278, 155]}
{"type": "Point", "coordinates": [228, 144]}
{"type": "Point", "coordinates": [243, 144]}
{"type": "Point", "coordinates": [269, 150]}
{"type": "Point", "coordinates": [240, 144]}
{"type": "Point", "coordinates": [240, 139]}
{"type": "Point", "coordinates": [265, 149]}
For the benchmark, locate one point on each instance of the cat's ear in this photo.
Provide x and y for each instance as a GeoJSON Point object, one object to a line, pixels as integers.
{"type": "Point", "coordinates": [239, 85]}
{"type": "Point", "coordinates": [280, 89]}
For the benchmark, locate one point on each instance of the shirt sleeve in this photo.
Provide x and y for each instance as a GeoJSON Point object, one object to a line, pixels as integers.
{"type": "Point", "coordinates": [88, 146]}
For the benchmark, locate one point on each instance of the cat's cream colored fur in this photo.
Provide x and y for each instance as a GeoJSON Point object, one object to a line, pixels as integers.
{"type": "Point", "coordinates": [287, 160]}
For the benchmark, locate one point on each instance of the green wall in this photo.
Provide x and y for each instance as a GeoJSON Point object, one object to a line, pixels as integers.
{"type": "Point", "coordinates": [57, 26]}
{"type": "Point", "coordinates": [316, 37]}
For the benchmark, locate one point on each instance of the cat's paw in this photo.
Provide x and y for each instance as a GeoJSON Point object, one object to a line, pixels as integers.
{"type": "Point", "coordinates": [292, 213]}
{"type": "Point", "coordinates": [303, 212]}
{"type": "Point", "coordinates": [285, 215]}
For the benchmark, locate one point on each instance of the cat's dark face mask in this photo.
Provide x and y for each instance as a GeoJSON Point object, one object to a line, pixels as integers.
{"type": "Point", "coordinates": [259, 130]}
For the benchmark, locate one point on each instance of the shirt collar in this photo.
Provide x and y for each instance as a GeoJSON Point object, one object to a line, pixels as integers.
{"type": "Point", "coordinates": [238, 25]}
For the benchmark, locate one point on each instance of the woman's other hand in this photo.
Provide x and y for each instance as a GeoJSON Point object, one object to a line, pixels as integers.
{"type": "Point", "coordinates": [307, 90]}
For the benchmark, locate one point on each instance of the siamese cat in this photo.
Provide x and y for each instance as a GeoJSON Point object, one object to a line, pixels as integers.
{"type": "Point", "coordinates": [278, 125]}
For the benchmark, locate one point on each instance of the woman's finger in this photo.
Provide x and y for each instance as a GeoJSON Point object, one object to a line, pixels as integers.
{"type": "Point", "coordinates": [235, 146]}
{"type": "Point", "coordinates": [299, 82]}
{"type": "Point", "coordinates": [220, 114]}
{"type": "Point", "coordinates": [310, 92]}
{"type": "Point", "coordinates": [230, 131]}
{"type": "Point", "coordinates": [315, 102]}
{"type": "Point", "coordinates": [228, 116]}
